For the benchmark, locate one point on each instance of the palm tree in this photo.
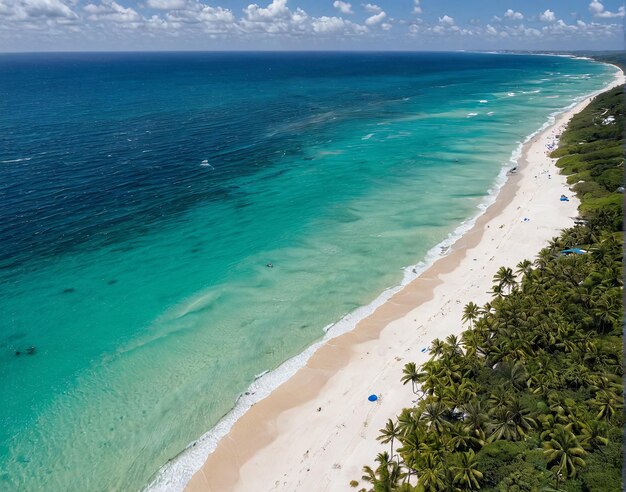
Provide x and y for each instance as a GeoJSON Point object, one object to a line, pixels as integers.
{"type": "Point", "coordinates": [607, 311]}
{"type": "Point", "coordinates": [499, 398]}
{"type": "Point", "coordinates": [475, 419]}
{"type": "Point", "coordinates": [431, 474]}
{"type": "Point", "coordinates": [523, 268]}
{"type": "Point", "coordinates": [410, 373]}
{"type": "Point", "coordinates": [576, 376]}
{"type": "Point", "coordinates": [548, 423]}
{"type": "Point", "coordinates": [603, 249]}
{"type": "Point", "coordinates": [461, 438]}
{"type": "Point", "coordinates": [608, 404]}
{"type": "Point", "coordinates": [369, 475]}
{"type": "Point", "coordinates": [495, 352]}
{"type": "Point", "coordinates": [505, 278]}
{"type": "Point", "coordinates": [543, 259]}
{"type": "Point", "coordinates": [407, 421]}
{"type": "Point", "coordinates": [471, 342]}
{"type": "Point", "coordinates": [502, 426]}
{"type": "Point", "coordinates": [428, 379]}
{"type": "Point", "coordinates": [554, 244]}
{"type": "Point", "coordinates": [471, 312]}
{"type": "Point", "coordinates": [410, 449]}
{"type": "Point", "coordinates": [390, 432]}
{"type": "Point", "coordinates": [593, 435]}
{"type": "Point", "coordinates": [564, 451]}
{"type": "Point", "coordinates": [520, 413]}
{"type": "Point", "coordinates": [449, 370]}
{"type": "Point", "coordinates": [436, 347]}
{"type": "Point", "coordinates": [516, 375]}
{"type": "Point", "coordinates": [453, 346]}
{"type": "Point", "coordinates": [456, 395]}
{"type": "Point", "coordinates": [387, 474]}
{"type": "Point", "coordinates": [435, 416]}
{"type": "Point", "coordinates": [497, 291]}
{"type": "Point", "coordinates": [466, 473]}
{"type": "Point", "coordinates": [519, 348]}
{"type": "Point", "coordinates": [541, 383]}
{"type": "Point", "coordinates": [560, 405]}
{"type": "Point", "coordinates": [486, 309]}
{"type": "Point", "coordinates": [600, 382]}
{"type": "Point", "coordinates": [596, 358]}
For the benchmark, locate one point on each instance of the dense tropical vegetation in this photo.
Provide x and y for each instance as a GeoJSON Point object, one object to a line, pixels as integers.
{"type": "Point", "coordinates": [529, 397]}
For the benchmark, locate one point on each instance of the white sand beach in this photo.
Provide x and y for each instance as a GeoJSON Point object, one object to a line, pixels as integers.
{"type": "Point", "coordinates": [316, 431]}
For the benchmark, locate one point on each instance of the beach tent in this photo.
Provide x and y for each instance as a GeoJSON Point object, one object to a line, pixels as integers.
{"type": "Point", "coordinates": [576, 251]}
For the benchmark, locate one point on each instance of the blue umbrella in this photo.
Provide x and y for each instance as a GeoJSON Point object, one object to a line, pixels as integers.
{"type": "Point", "coordinates": [372, 398]}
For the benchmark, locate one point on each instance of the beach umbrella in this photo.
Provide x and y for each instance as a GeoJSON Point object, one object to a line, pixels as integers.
{"type": "Point", "coordinates": [372, 398]}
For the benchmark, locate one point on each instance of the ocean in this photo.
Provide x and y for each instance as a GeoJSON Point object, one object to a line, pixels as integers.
{"type": "Point", "coordinates": [173, 225]}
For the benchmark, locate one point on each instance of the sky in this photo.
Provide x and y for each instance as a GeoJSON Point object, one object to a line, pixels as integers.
{"type": "Point", "coordinates": [136, 25]}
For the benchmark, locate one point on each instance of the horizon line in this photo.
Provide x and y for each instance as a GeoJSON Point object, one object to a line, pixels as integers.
{"type": "Point", "coordinates": [547, 51]}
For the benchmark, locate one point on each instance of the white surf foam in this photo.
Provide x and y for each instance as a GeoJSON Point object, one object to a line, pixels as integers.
{"type": "Point", "coordinates": [260, 375]}
{"type": "Point", "coordinates": [174, 475]}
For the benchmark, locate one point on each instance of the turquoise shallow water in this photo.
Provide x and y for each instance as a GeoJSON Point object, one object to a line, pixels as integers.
{"type": "Point", "coordinates": [143, 196]}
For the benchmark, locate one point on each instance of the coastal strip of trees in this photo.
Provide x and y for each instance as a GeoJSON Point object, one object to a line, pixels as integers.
{"type": "Point", "coordinates": [529, 397]}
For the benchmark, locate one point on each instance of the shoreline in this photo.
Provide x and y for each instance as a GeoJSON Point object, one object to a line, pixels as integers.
{"type": "Point", "coordinates": [296, 399]}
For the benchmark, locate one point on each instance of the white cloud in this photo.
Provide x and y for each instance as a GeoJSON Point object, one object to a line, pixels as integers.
{"type": "Point", "coordinates": [336, 25]}
{"type": "Point", "coordinates": [547, 16]}
{"type": "Point", "coordinates": [343, 7]}
{"type": "Point", "coordinates": [110, 10]}
{"type": "Point", "coordinates": [446, 20]}
{"type": "Point", "coordinates": [214, 20]}
{"type": "Point", "coordinates": [372, 8]}
{"type": "Point", "coordinates": [375, 19]}
{"type": "Point", "coordinates": [490, 30]}
{"type": "Point", "coordinates": [560, 28]}
{"type": "Point", "coordinates": [328, 24]}
{"type": "Point", "coordinates": [276, 18]}
{"type": "Point", "coordinates": [194, 20]}
{"type": "Point", "coordinates": [33, 10]}
{"type": "Point", "coordinates": [275, 10]}
{"type": "Point", "coordinates": [597, 10]}
{"type": "Point", "coordinates": [520, 31]}
{"type": "Point", "coordinates": [552, 32]}
{"type": "Point", "coordinates": [511, 14]}
{"type": "Point", "coordinates": [166, 4]}
{"type": "Point", "coordinates": [416, 27]}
